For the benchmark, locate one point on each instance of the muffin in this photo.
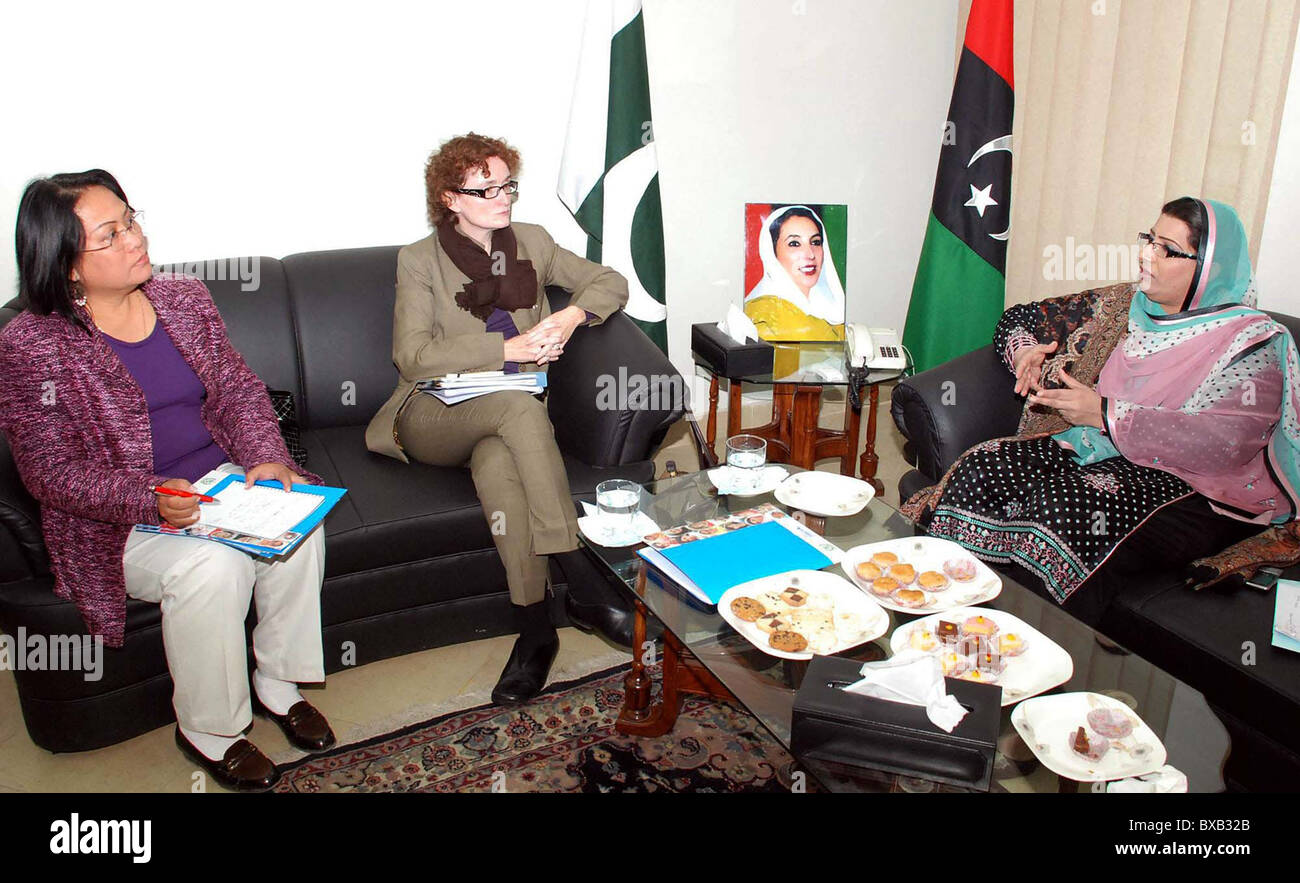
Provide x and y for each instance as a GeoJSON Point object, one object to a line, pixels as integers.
{"type": "Point", "coordinates": [932, 581]}
{"type": "Point", "coordinates": [904, 573]}
{"type": "Point", "coordinates": [869, 570]}
{"type": "Point", "coordinates": [885, 586]}
{"type": "Point", "coordinates": [885, 559]}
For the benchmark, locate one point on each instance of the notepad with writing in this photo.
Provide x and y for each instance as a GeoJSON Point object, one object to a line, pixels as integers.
{"type": "Point", "coordinates": [709, 566]}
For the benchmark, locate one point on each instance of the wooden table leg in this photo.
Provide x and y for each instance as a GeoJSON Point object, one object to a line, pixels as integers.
{"type": "Point", "coordinates": [852, 422]}
{"type": "Point", "coordinates": [733, 408]}
{"type": "Point", "coordinates": [637, 711]}
{"type": "Point", "coordinates": [712, 434]}
{"type": "Point", "coordinates": [870, 462]}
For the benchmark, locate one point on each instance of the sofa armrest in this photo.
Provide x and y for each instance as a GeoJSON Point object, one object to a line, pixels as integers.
{"type": "Point", "coordinates": [22, 546]}
{"type": "Point", "coordinates": [613, 394]}
{"type": "Point", "coordinates": [945, 411]}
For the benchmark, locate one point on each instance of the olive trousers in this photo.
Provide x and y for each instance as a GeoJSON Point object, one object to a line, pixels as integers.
{"type": "Point", "coordinates": [507, 441]}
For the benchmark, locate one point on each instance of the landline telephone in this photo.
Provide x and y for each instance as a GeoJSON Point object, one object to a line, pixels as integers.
{"type": "Point", "coordinates": [877, 349]}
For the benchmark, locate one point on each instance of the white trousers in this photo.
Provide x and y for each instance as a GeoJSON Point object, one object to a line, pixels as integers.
{"type": "Point", "coordinates": [204, 589]}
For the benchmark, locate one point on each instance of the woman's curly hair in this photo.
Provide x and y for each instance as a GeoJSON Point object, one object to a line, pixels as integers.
{"type": "Point", "coordinates": [447, 166]}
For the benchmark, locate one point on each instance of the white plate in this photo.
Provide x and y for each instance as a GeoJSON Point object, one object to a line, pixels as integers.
{"type": "Point", "coordinates": [825, 493]}
{"type": "Point", "coordinates": [593, 528]}
{"type": "Point", "coordinates": [844, 596]}
{"type": "Point", "coordinates": [1046, 722]}
{"type": "Point", "coordinates": [771, 477]}
{"type": "Point", "coordinates": [927, 553]}
{"type": "Point", "coordinates": [1042, 666]}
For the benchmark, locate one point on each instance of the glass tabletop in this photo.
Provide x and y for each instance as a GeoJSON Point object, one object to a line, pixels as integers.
{"type": "Point", "coordinates": [1196, 741]}
{"type": "Point", "coordinates": [812, 363]}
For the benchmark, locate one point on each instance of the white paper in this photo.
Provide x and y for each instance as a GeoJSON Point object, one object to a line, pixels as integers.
{"type": "Point", "coordinates": [912, 678]}
{"type": "Point", "coordinates": [260, 511]}
{"type": "Point", "coordinates": [1287, 618]}
{"type": "Point", "coordinates": [1166, 780]}
{"type": "Point", "coordinates": [738, 326]}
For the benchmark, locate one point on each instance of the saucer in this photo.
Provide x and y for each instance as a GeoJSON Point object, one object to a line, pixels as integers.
{"type": "Point", "coordinates": [770, 479]}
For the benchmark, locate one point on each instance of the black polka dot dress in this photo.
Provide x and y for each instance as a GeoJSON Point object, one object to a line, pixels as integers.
{"type": "Point", "coordinates": [1029, 503]}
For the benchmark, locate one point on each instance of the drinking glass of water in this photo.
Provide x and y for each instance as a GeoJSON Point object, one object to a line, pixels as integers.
{"type": "Point", "coordinates": [618, 501]}
{"type": "Point", "coordinates": [746, 456]}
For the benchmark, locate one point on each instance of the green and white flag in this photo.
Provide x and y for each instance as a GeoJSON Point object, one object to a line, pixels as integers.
{"type": "Point", "coordinates": [609, 175]}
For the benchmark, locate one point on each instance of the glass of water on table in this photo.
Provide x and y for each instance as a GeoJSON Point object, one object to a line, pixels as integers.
{"type": "Point", "coordinates": [618, 501]}
{"type": "Point", "coordinates": [746, 457]}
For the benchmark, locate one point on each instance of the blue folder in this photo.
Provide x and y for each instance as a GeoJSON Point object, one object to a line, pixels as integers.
{"type": "Point", "coordinates": [719, 562]}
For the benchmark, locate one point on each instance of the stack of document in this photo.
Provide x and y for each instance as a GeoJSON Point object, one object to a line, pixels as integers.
{"type": "Point", "coordinates": [453, 388]}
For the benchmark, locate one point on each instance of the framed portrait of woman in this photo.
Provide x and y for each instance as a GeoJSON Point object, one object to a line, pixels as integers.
{"type": "Point", "coordinates": [794, 270]}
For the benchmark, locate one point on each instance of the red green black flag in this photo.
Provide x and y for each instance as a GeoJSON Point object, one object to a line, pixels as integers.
{"type": "Point", "coordinates": [960, 284]}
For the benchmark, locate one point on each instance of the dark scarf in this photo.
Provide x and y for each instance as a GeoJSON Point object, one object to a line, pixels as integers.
{"type": "Point", "coordinates": [516, 289]}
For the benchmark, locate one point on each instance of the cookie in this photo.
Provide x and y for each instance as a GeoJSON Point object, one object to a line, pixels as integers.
{"type": "Point", "coordinates": [794, 597]}
{"type": "Point", "coordinates": [904, 573]}
{"type": "Point", "coordinates": [788, 642]}
{"type": "Point", "coordinates": [932, 581]}
{"type": "Point", "coordinates": [884, 586]}
{"type": "Point", "coordinates": [869, 570]}
{"type": "Point", "coordinates": [885, 559]}
{"type": "Point", "coordinates": [772, 622]}
{"type": "Point", "coordinates": [747, 609]}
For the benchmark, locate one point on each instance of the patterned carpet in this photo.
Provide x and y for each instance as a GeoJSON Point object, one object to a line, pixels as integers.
{"type": "Point", "coordinates": [562, 741]}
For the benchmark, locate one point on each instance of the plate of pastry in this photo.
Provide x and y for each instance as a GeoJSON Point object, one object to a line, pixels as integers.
{"type": "Point", "coordinates": [989, 646]}
{"type": "Point", "coordinates": [827, 494]}
{"type": "Point", "coordinates": [920, 575]}
{"type": "Point", "coordinates": [801, 612]}
{"type": "Point", "coordinates": [1088, 737]}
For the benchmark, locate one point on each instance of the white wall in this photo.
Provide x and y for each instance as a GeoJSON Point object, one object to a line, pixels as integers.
{"type": "Point", "coordinates": [1279, 287]}
{"type": "Point", "coordinates": [270, 128]}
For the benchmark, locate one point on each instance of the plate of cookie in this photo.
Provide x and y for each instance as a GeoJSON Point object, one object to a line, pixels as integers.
{"type": "Point", "coordinates": [920, 575]}
{"type": "Point", "coordinates": [1088, 737]}
{"type": "Point", "coordinates": [799, 613]}
{"type": "Point", "coordinates": [989, 646]}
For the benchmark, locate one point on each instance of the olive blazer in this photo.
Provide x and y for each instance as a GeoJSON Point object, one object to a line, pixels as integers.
{"type": "Point", "coordinates": [433, 335]}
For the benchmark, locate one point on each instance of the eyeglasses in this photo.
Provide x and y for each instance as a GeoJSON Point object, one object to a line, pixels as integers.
{"type": "Point", "coordinates": [1162, 250]}
{"type": "Point", "coordinates": [510, 188]}
{"type": "Point", "coordinates": [116, 239]}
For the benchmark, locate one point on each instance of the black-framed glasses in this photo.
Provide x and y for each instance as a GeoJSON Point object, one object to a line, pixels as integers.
{"type": "Point", "coordinates": [510, 188]}
{"type": "Point", "coordinates": [1163, 250]}
{"type": "Point", "coordinates": [116, 238]}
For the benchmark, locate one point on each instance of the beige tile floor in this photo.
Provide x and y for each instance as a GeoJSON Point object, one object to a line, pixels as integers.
{"type": "Point", "coordinates": [375, 698]}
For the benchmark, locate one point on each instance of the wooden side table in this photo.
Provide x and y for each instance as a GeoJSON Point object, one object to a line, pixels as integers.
{"type": "Point", "coordinates": [793, 434]}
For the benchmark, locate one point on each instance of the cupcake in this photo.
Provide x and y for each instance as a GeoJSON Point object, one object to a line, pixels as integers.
{"type": "Point", "coordinates": [885, 559]}
{"type": "Point", "coordinates": [923, 640]}
{"type": "Point", "coordinates": [909, 597]}
{"type": "Point", "coordinates": [1010, 644]}
{"type": "Point", "coordinates": [932, 581]}
{"type": "Point", "coordinates": [869, 570]}
{"type": "Point", "coordinates": [885, 586]}
{"type": "Point", "coordinates": [1093, 748]}
{"type": "Point", "coordinates": [904, 573]}
{"type": "Point", "coordinates": [979, 625]}
{"type": "Point", "coordinates": [1110, 722]}
{"type": "Point", "coordinates": [960, 569]}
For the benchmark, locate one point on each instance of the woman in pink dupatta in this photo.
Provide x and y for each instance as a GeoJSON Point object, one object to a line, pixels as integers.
{"type": "Point", "coordinates": [1161, 424]}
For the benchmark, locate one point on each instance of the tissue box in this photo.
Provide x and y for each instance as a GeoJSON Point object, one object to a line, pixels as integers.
{"type": "Point", "coordinates": [726, 358]}
{"type": "Point", "coordinates": [833, 726]}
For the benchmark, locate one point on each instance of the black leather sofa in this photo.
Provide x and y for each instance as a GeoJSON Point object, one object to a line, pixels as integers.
{"type": "Point", "coordinates": [410, 562]}
{"type": "Point", "coordinates": [1217, 640]}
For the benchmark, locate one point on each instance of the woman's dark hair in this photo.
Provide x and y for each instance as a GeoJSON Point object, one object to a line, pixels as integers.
{"type": "Point", "coordinates": [1189, 211]}
{"type": "Point", "coordinates": [49, 238]}
{"type": "Point", "coordinates": [774, 227]}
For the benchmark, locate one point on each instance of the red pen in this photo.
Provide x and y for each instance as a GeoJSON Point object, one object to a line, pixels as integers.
{"type": "Point", "coordinates": [172, 492]}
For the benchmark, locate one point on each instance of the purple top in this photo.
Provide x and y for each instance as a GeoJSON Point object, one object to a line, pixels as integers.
{"type": "Point", "coordinates": [501, 321]}
{"type": "Point", "coordinates": [182, 445]}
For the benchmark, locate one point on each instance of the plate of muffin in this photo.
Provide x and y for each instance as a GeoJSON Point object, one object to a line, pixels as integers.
{"type": "Point", "coordinates": [920, 575]}
{"type": "Point", "coordinates": [990, 647]}
{"type": "Point", "coordinates": [797, 614]}
{"type": "Point", "coordinates": [1088, 737]}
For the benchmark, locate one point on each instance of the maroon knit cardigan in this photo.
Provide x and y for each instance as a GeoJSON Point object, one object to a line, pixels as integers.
{"type": "Point", "coordinates": [78, 426]}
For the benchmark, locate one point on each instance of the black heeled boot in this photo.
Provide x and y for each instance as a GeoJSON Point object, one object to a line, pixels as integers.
{"type": "Point", "coordinates": [530, 660]}
{"type": "Point", "coordinates": [590, 604]}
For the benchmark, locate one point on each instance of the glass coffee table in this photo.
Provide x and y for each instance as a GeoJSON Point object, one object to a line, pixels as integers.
{"type": "Point", "coordinates": [703, 655]}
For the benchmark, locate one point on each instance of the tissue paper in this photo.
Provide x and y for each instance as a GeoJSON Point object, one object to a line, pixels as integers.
{"type": "Point", "coordinates": [912, 678]}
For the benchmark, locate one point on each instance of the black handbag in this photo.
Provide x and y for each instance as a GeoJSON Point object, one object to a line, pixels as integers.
{"type": "Point", "coordinates": [287, 416]}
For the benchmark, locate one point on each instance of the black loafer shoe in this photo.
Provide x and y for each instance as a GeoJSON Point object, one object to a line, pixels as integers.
{"type": "Point", "coordinates": [525, 673]}
{"type": "Point", "coordinates": [244, 768]}
{"type": "Point", "coordinates": [615, 623]}
{"type": "Point", "coordinates": [303, 725]}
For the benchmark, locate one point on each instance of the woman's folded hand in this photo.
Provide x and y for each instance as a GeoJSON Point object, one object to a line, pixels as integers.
{"type": "Point", "coordinates": [1077, 403]}
{"type": "Point", "coordinates": [271, 472]}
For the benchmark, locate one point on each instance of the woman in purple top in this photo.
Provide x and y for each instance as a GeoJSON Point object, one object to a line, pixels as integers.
{"type": "Point", "coordinates": [118, 382]}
